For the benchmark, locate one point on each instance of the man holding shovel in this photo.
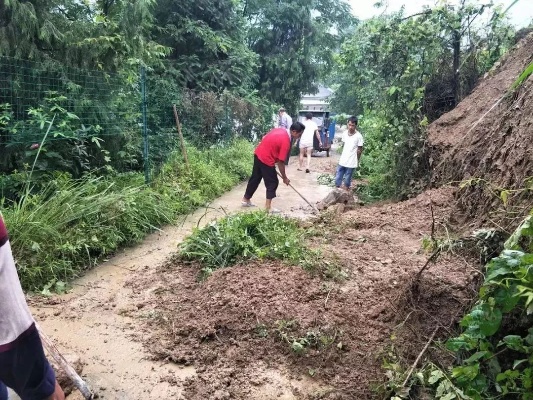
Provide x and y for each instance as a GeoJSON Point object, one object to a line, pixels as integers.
{"type": "Point", "coordinates": [272, 150]}
{"type": "Point", "coordinates": [23, 365]}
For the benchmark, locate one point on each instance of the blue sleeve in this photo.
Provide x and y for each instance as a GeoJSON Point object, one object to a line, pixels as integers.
{"type": "Point", "coordinates": [24, 368]}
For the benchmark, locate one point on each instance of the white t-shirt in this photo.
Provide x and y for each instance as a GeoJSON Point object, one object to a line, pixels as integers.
{"type": "Point", "coordinates": [306, 140]}
{"type": "Point", "coordinates": [349, 152]}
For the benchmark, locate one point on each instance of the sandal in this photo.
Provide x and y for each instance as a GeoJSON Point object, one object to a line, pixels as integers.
{"type": "Point", "coordinates": [274, 211]}
{"type": "Point", "coordinates": [247, 204]}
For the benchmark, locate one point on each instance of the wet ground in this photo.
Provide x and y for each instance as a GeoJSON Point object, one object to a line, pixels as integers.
{"type": "Point", "coordinates": [91, 320]}
{"type": "Point", "coordinates": [146, 328]}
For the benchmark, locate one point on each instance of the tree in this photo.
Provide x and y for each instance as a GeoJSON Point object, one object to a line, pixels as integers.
{"type": "Point", "coordinates": [206, 39]}
{"type": "Point", "coordinates": [402, 72]}
{"type": "Point", "coordinates": [295, 40]}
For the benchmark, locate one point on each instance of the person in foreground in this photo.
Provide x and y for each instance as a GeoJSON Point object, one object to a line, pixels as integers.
{"type": "Point", "coordinates": [23, 365]}
{"type": "Point", "coordinates": [272, 150]}
{"type": "Point", "coordinates": [306, 141]}
{"type": "Point", "coordinates": [351, 155]}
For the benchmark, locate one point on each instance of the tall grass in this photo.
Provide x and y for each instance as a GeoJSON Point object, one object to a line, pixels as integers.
{"type": "Point", "coordinates": [67, 226]}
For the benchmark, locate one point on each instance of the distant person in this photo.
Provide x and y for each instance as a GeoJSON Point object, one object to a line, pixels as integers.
{"type": "Point", "coordinates": [351, 155]}
{"type": "Point", "coordinates": [23, 365]}
{"type": "Point", "coordinates": [272, 150]}
{"type": "Point", "coordinates": [306, 141]}
{"type": "Point", "coordinates": [285, 122]}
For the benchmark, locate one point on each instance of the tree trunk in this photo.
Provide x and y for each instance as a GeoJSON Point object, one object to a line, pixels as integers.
{"type": "Point", "coordinates": [456, 83]}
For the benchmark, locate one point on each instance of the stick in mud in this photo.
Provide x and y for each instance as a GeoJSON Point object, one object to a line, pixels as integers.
{"type": "Point", "coordinates": [62, 362]}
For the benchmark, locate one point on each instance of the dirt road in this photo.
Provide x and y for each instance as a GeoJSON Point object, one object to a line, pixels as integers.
{"type": "Point", "coordinates": [92, 319]}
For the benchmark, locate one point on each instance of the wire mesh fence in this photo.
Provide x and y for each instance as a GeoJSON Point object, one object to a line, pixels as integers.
{"type": "Point", "coordinates": [106, 122]}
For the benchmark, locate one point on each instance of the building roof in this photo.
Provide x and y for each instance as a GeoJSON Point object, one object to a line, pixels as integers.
{"type": "Point", "coordinates": [323, 93]}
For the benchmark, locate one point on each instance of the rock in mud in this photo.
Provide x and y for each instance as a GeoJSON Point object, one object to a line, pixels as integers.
{"type": "Point", "coordinates": [344, 198]}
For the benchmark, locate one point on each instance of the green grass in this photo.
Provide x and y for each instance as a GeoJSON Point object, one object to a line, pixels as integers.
{"type": "Point", "coordinates": [255, 235]}
{"type": "Point", "coordinates": [66, 226]}
{"type": "Point", "coordinates": [244, 236]}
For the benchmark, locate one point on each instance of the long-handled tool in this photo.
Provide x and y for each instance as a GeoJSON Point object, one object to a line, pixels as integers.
{"type": "Point", "coordinates": [299, 194]}
{"type": "Point", "coordinates": [63, 363]}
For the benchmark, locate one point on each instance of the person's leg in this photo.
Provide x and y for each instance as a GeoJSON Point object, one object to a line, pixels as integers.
{"type": "Point", "coordinates": [348, 177]}
{"type": "Point", "coordinates": [301, 158]}
{"type": "Point", "coordinates": [309, 151]}
{"type": "Point", "coordinates": [271, 183]}
{"type": "Point", "coordinates": [3, 391]}
{"type": "Point", "coordinates": [254, 181]}
{"type": "Point", "coordinates": [25, 368]}
{"type": "Point", "coordinates": [340, 175]}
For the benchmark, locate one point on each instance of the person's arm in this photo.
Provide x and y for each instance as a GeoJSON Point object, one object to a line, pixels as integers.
{"type": "Point", "coordinates": [359, 152]}
{"type": "Point", "coordinates": [317, 133]}
{"type": "Point", "coordinates": [281, 167]}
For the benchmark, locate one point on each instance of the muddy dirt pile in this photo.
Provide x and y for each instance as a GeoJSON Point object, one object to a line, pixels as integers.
{"type": "Point", "coordinates": [492, 153]}
{"type": "Point", "coordinates": [265, 330]}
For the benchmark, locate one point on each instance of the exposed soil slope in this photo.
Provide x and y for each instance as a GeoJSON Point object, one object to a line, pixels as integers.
{"type": "Point", "coordinates": [498, 150]}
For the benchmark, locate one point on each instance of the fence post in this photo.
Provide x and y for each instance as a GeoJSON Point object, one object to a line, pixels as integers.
{"type": "Point", "coordinates": [144, 127]}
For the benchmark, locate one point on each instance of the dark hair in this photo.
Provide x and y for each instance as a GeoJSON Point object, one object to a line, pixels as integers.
{"type": "Point", "coordinates": [298, 127]}
{"type": "Point", "coordinates": [309, 115]}
{"type": "Point", "coordinates": [353, 119]}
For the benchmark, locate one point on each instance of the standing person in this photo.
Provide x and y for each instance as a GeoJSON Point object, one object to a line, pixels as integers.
{"type": "Point", "coordinates": [351, 154]}
{"type": "Point", "coordinates": [23, 365]}
{"type": "Point", "coordinates": [285, 122]}
{"type": "Point", "coordinates": [306, 141]}
{"type": "Point", "coordinates": [272, 150]}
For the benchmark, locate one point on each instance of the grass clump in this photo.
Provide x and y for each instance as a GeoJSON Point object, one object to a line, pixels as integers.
{"type": "Point", "coordinates": [68, 225]}
{"type": "Point", "coordinates": [256, 235]}
{"type": "Point", "coordinates": [62, 226]}
{"type": "Point", "coordinates": [244, 236]}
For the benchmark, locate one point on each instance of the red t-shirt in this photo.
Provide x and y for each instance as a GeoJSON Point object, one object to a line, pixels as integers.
{"type": "Point", "coordinates": [274, 147]}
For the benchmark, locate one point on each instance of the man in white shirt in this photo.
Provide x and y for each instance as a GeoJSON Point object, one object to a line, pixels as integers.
{"type": "Point", "coordinates": [351, 154]}
{"type": "Point", "coordinates": [306, 141]}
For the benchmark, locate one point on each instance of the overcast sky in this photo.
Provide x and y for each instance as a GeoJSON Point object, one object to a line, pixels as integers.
{"type": "Point", "coordinates": [521, 14]}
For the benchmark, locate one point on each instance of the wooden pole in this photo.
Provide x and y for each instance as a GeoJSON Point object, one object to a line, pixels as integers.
{"type": "Point", "coordinates": [182, 141]}
{"type": "Point", "coordinates": [65, 366]}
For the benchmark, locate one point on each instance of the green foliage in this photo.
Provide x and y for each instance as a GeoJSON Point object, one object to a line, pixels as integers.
{"type": "Point", "coordinates": [212, 172]}
{"type": "Point", "coordinates": [496, 345]}
{"type": "Point", "coordinates": [308, 31]}
{"type": "Point", "coordinates": [243, 236]}
{"type": "Point", "coordinates": [317, 338]}
{"type": "Point", "coordinates": [326, 179]}
{"type": "Point", "coordinates": [399, 73]}
{"type": "Point", "coordinates": [67, 225]}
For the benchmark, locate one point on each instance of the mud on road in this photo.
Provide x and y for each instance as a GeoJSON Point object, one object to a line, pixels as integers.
{"type": "Point", "coordinates": [146, 328]}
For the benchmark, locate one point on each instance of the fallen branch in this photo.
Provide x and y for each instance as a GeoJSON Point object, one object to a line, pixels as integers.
{"type": "Point", "coordinates": [420, 356]}
{"type": "Point", "coordinates": [63, 363]}
{"type": "Point", "coordinates": [430, 259]}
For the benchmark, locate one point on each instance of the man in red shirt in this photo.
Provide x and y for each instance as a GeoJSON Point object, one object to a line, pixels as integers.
{"type": "Point", "coordinates": [272, 150]}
